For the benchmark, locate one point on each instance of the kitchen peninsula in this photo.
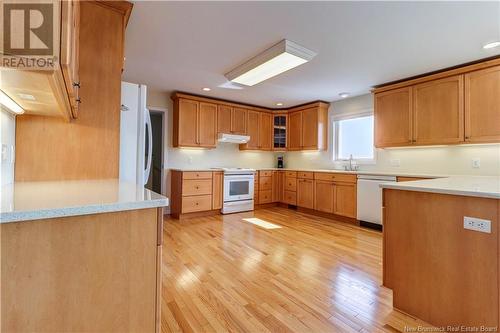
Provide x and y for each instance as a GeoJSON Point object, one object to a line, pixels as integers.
{"type": "Point", "coordinates": [440, 249]}
{"type": "Point", "coordinates": [68, 246]}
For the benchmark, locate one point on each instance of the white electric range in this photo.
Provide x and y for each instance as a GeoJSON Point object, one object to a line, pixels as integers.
{"type": "Point", "coordinates": [238, 190]}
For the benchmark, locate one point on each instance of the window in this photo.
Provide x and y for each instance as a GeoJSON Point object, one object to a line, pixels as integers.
{"type": "Point", "coordinates": [354, 136]}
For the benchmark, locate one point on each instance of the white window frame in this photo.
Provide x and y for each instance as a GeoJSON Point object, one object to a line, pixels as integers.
{"type": "Point", "coordinates": [335, 126]}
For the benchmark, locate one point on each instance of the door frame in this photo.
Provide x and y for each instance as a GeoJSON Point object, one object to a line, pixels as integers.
{"type": "Point", "coordinates": [164, 114]}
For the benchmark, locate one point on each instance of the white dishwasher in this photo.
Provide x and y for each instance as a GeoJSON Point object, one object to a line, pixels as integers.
{"type": "Point", "coordinates": [370, 198]}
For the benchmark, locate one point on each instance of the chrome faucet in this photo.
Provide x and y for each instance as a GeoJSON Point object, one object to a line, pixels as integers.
{"type": "Point", "coordinates": [351, 166]}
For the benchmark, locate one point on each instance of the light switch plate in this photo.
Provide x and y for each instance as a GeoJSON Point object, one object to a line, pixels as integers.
{"type": "Point", "coordinates": [476, 163]}
{"type": "Point", "coordinates": [5, 153]}
{"type": "Point", "coordinates": [396, 162]}
{"type": "Point", "coordinates": [477, 224]}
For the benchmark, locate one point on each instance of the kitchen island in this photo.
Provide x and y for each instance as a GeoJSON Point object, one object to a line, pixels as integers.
{"type": "Point", "coordinates": [80, 256]}
{"type": "Point", "coordinates": [439, 269]}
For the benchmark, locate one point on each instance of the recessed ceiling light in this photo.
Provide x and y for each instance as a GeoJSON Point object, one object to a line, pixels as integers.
{"type": "Point", "coordinates": [344, 94]}
{"type": "Point", "coordinates": [278, 59]}
{"type": "Point", "coordinates": [491, 45]}
{"type": "Point", "coordinates": [279, 104]}
{"type": "Point", "coordinates": [27, 97]}
{"type": "Point", "coordinates": [206, 89]}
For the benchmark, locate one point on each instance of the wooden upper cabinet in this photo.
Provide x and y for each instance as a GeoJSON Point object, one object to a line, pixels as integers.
{"type": "Point", "coordinates": [393, 118]}
{"type": "Point", "coordinates": [305, 193]}
{"type": "Point", "coordinates": [207, 125]}
{"type": "Point", "coordinates": [344, 199]}
{"type": "Point", "coordinates": [295, 130]}
{"type": "Point", "coordinates": [70, 41]}
{"type": "Point", "coordinates": [265, 130]}
{"type": "Point", "coordinates": [224, 114]}
{"type": "Point", "coordinates": [482, 105]}
{"type": "Point", "coordinates": [195, 124]}
{"type": "Point", "coordinates": [252, 130]}
{"type": "Point", "coordinates": [310, 128]}
{"type": "Point", "coordinates": [438, 111]}
{"type": "Point", "coordinates": [323, 196]}
{"type": "Point", "coordinates": [239, 121]}
{"type": "Point", "coordinates": [186, 123]}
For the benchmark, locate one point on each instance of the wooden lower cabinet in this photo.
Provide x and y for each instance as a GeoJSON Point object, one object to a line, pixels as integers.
{"type": "Point", "coordinates": [344, 199]}
{"type": "Point", "coordinates": [290, 197]}
{"type": "Point", "coordinates": [90, 273]}
{"type": "Point", "coordinates": [323, 196]}
{"type": "Point", "coordinates": [305, 193]}
{"type": "Point", "coordinates": [196, 192]}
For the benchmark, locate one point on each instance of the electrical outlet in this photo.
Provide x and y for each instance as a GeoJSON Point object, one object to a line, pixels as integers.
{"type": "Point", "coordinates": [396, 162]}
{"type": "Point", "coordinates": [477, 224]}
{"type": "Point", "coordinates": [476, 163]}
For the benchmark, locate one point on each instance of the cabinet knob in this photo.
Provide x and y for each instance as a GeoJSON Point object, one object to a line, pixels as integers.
{"type": "Point", "coordinates": [76, 84]}
{"type": "Point", "coordinates": [78, 100]}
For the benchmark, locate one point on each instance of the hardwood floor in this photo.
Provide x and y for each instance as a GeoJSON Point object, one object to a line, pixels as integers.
{"type": "Point", "coordinates": [296, 273]}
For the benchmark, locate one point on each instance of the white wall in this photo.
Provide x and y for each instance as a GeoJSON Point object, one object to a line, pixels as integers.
{"type": "Point", "coordinates": [225, 155]}
{"type": "Point", "coordinates": [432, 160]}
{"type": "Point", "coordinates": [8, 138]}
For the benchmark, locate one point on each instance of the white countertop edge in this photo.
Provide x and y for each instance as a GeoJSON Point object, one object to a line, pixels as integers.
{"type": "Point", "coordinates": [40, 214]}
{"type": "Point", "coordinates": [480, 194]}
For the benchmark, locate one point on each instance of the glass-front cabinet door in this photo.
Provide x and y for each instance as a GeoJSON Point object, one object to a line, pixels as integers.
{"type": "Point", "coordinates": [279, 131]}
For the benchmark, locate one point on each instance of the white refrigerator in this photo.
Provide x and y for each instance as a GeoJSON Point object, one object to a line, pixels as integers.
{"type": "Point", "coordinates": [135, 135]}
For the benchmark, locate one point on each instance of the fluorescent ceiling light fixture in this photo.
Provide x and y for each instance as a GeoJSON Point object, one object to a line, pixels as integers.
{"type": "Point", "coordinates": [206, 89]}
{"type": "Point", "coordinates": [278, 59]}
{"type": "Point", "coordinates": [279, 104]}
{"type": "Point", "coordinates": [491, 45]}
{"type": "Point", "coordinates": [344, 94]}
{"type": "Point", "coordinates": [10, 104]}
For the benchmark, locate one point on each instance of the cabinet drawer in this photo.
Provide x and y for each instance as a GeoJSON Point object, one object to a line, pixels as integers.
{"type": "Point", "coordinates": [305, 175]}
{"type": "Point", "coordinates": [197, 175]}
{"type": "Point", "coordinates": [290, 184]}
{"type": "Point", "coordinates": [338, 177]}
{"type": "Point", "coordinates": [265, 183]}
{"type": "Point", "coordinates": [265, 197]}
{"type": "Point", "coordinates": [196, 187]}
{"type": "Point", "coordinates": [290, 198]}
{"type": "Point", "coordinates": [197, 203]}
{"type": "Point", "coordinates": [265, 173]}
{"type": "Point", "coordinates": [291, 174]}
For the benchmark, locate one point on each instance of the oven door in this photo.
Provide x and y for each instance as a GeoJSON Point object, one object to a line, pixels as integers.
{"type": "Point", "coordinates": [238, 187]}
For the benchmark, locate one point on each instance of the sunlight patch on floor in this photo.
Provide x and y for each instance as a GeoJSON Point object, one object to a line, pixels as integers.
{"type": "Point", "coordinates": [261, 223]}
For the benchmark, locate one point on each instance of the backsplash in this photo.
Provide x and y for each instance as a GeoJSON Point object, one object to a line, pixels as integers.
{"type": "Point", "coordinates": [455, 160]}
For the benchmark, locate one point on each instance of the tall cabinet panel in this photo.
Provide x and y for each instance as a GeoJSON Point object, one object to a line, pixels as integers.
{"type": "Point", "coordinates": [295, 130]}
{"type": "Point", "coordinates": [207, 125]}
{"type": "Point", "coordinates": [187, 118]}
{"type": "Point", "coordinates": [265, 131]}
{"type": "Point", "coordinates": [438, 111]}
{"type": "Point", "coordinates": [310, 128]}
{"type": "Point", "coordinates": [393, 118]}
{"type": "Point", "coordinates": [252, 130]}
{"type": "Point", "coordinates": [482, 105]}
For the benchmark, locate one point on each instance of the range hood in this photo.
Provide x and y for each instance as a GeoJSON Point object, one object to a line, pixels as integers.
{"type": "Point", "coordinates": [233, 138]}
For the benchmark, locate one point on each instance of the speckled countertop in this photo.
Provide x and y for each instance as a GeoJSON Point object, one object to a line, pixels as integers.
{"type": "Point", "coordinates": [472, 186]}
{"type": "Point", "coordinates": [25, 201]}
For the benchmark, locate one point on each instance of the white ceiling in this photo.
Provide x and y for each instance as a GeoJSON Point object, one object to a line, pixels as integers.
{"type": "Point", "coordinates": [189, 45]}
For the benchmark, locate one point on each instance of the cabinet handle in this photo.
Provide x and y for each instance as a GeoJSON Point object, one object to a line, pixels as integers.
{"type": "Point", "coordinates": [78, 100]}
{"type": "Point", "coordinates": [76, 84]}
